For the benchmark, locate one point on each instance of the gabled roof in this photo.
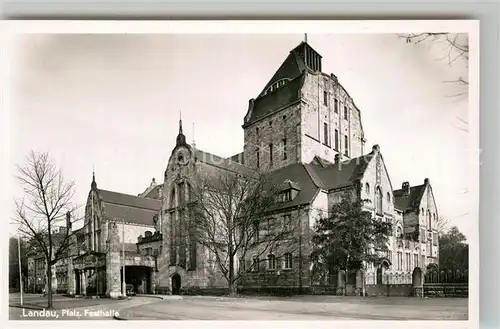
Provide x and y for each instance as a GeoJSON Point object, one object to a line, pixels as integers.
{"type": "Point", "coordinates": [301, 180]}
{"type": "Point", "coordinates": [339, 175]}
{"type": "Point", "coordinates": [220, 162]}
{"type": "Point", "coordinates": [130, 208]}
{"type": "Point", "coordinates": [409, 201]}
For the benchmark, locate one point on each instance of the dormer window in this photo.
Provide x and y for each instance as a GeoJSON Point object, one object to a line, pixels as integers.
{"type": "Point", "coordinates": [287, 195]}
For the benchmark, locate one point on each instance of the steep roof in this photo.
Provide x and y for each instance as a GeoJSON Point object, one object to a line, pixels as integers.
{"type": "Point", "coordinates": [220, 162]}
{"type": "Point", "coordinates": [411, 200]}
{"type": "Point", "coordinates": [302, 182]}
{"type": "Point", "coordinates": [131, 208]}
{"type": "Point", "coordinates": [275, 100]}
{"type": "Point", "coordinates": [339, 175]}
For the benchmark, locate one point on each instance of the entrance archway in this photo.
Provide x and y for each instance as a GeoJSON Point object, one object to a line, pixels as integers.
{"type": "Point", "coordinates": [416, 278]}
{"type": "Point", "coordinates": [176, 284]}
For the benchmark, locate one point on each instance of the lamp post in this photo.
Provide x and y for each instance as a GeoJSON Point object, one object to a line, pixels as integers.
{"type": "Point", "coordinates": [124, 286]}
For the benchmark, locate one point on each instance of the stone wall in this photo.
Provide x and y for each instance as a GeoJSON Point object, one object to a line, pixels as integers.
{"type": "Point", "coordinates": [315, 114]}
{"type": "Point", "coordinates": [283, 124]}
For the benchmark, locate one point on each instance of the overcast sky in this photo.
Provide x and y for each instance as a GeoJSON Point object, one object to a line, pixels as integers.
{"type": "Point", "coordinates": [112, 102]}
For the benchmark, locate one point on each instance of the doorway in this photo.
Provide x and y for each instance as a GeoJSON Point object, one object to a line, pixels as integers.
{"type": "Point", "coordinates": [176, 284]}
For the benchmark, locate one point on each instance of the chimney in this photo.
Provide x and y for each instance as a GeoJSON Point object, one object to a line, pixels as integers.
{"type": "Point", "coordinates": [406, 188]}
{"type": "Point", "coordinates": [68, 221]}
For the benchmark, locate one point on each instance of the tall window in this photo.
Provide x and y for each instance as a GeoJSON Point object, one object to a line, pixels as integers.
{"type": "Point", "coordinates": [172, 198]}
{"type": "Point", "coordinates": [192, 250]}
{"type": "Point", "coordinates": [367, 188]}
{"type": "Point", "coordinates": [325, 134]}
{"type": "Point", "coordinates": [429, 216]}
{"type": "Point", "coordinates": [346, 146]}
{"type": "Point", "coordinates": [378, 201]}
{"type": "Point", "coordinates": [415, 260]}
{"type": "Point", "coordinates": [287, 261]}
{"type": "Point", "coordinates": [345, 112]}
{"type": "Point", "coordinates": [271, 262]}
{"type": "Point", "coordinates": [284, 149]}
{"type": "Point", "coordinates": [242, 265]}
{"type": "Point", "coordinates": [423, 260]}
{"type": "Point", "coordinates": [434, 239]}
{"type": "Point", "coordinates": [325, 98]}
{"type": "Point", "coordinates": [336, 139]}
{"type": "Point", "coordinates": [256, 264]}
{"type": "Point", "coordinates": [408, 265]}
{"type": "Point", "coordinates": [256, 231]}
{"type": "Point", "coordinates": [388, 197]}
{"type": "Point", "coordinates": [182, 193]}
{"type": "Point", "coordinates": [336, 106]}
{"type": "Point", "coordinates": [271, 154]}
{"type": "Point", "coordinates": [258, 157]}
{"type": "Point", "coordinates": [422, 235]}
{"type": "Point", "coordinates": [287, 222]}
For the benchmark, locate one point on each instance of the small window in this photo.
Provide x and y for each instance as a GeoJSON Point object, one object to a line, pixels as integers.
{"type": "Point", "coordinates": [284, 149]}
{"type": "Point", "coordinates": [271, 154]}
{"type": "Point", "coordinates": [284, 117]}
{"type": "Point", "coordinates": [346, 146]}
{"type": "Point", "coordinates": [336, 139]}
{"type": "Point", "coordinates": [257, 131]}
{"type": "Point", "coordinates": [287, 195]}
{"type": "Point", "coordinates": [336, 105]}
{"type": "Point", "coordinates": [242, 265]}
{"type": "Point", "coordinates": [271, 262]}
{"type": "Point", "coordinates": [325, 134]}
{"type": "Point", "coordinates": [325, 98]}
{"type": "Point", "coordinates": [367, 188]}
{"type": "Point", "coordinates": [270, 123]}
{"type": "Point", "coordinates": [345, 112]}
{"type": "Point", "coordinates": [388, 197]}
{"type": "Point", "coordinates": [258, 157]}
{"type": "Point", "coordinates": [287, 261]}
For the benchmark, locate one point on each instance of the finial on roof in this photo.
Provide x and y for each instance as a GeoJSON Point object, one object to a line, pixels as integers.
{"type": "Point", "coordinates": [305, 37]}
{"type": "Point", "coordinates": [94, 184]}
{"type": "Point", "coordinates": [181, 139]}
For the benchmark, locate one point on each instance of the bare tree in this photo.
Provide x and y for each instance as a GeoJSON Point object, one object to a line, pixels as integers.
{"type": "Point", "coordinates": [453, 48]}
{"type": "Point", "coordinates": [442, 225]}
{"type": "Point", "coordinates": [45, 206]}
{"type": "Point", "coordinates": [231, 218]}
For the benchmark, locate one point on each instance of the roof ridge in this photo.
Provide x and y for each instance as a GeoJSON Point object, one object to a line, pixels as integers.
{"type": "Point", "coordinates": [312, 175]}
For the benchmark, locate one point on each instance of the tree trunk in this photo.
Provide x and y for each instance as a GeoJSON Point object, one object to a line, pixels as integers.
{"type": "Point", "coordinates": [345, 281]}
{"type": "Point", "coordinates": [49, 286]}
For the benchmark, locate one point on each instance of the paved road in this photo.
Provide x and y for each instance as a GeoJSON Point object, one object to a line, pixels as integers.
{"type": "Point", "coordinates": [300, 308]}
{"type": "Point", "coordinates": [72, 308]}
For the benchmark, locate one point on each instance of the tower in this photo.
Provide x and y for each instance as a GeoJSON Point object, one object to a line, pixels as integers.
{"type": "Point", "coordinates": [300, 114]}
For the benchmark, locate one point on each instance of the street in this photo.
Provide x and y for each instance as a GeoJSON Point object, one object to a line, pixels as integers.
{"type": "Point", "coordinates": [300, 308]}
{"type": "Point", "coordinates": [244, 308]}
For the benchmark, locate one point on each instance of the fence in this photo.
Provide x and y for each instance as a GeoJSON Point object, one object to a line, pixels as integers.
{"type": "Point", "coordinates": [446, 283]}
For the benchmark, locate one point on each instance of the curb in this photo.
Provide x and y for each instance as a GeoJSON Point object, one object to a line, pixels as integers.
{"type": "Point", "coordinates": [28, 307]}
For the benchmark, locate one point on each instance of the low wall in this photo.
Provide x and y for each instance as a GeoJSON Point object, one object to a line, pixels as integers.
{"type": "Point", "coordinates": [446, 290]}
{"type": "Point", "coordinates": [389, 290]}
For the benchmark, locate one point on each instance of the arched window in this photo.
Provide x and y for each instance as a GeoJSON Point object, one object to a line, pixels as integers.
{"type": "Point", "coordinates": [378, 201]}
{"type": "Point", "coordinates": [388, 197]}
{"type": "Point", "coordinates": [288, 261]}
{"type": "Point", "coordinates": [399, 232]}
{"type": "Point", "coordinates": [367, 188]}
{"type": "Point", "coordinates": [271, 262]}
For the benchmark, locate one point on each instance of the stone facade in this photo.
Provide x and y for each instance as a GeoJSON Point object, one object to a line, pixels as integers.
{"type": "Point", "coordinates": [306, 131]}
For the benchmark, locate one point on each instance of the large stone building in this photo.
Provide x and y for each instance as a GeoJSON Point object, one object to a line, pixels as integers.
{"type": "Point", "coordinates": [305, 129]}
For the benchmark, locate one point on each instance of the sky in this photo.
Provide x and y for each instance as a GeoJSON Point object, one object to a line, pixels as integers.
{"type": "Point", "coordinates": [111, 103]}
